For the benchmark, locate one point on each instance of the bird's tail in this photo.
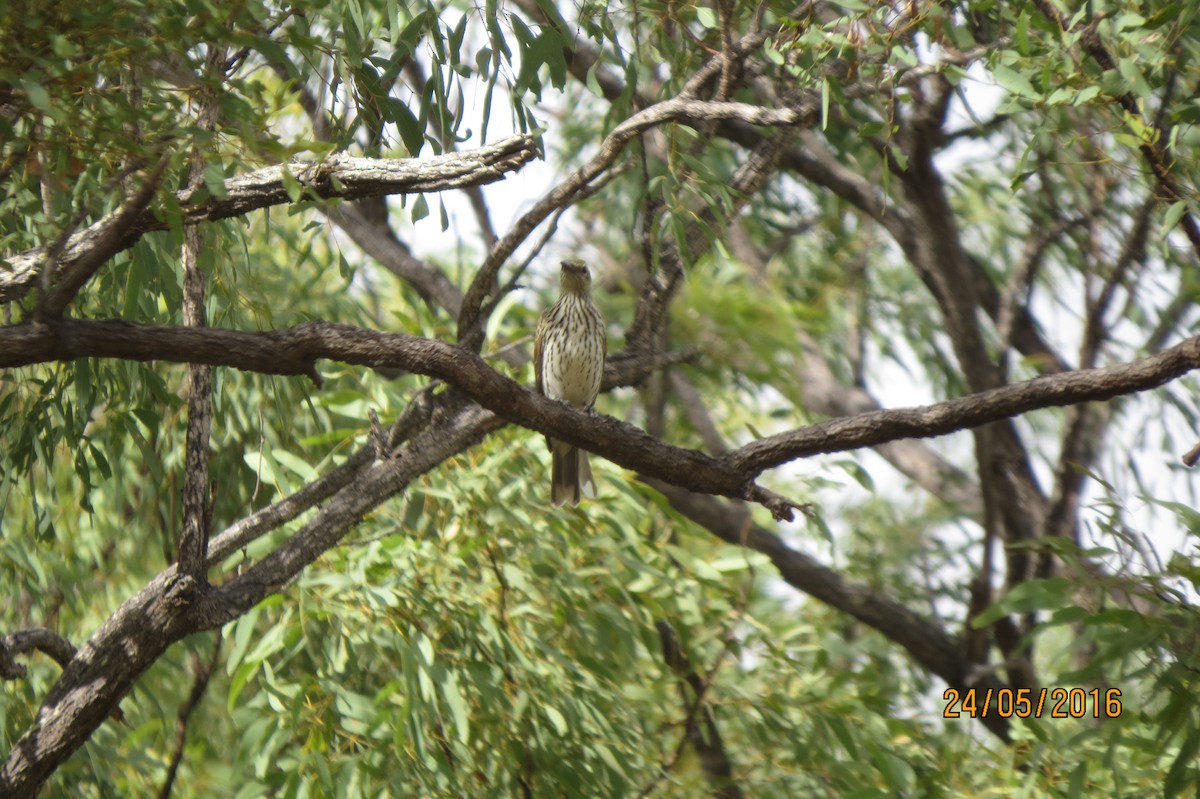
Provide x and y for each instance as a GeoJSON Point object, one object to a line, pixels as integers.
{"type": "Point", "coordinates": [570, 474]}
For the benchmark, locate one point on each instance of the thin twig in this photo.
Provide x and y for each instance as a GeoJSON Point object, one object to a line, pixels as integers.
{"type": "Point", "coordinates": [201, 673]}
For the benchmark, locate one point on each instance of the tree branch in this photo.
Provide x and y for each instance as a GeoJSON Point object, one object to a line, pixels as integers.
{"type": "Point", "coordinates": [1046, 391]}
{"type": "Point", "coordinates": [35, 638]}
{"type": "Point", "coordinates": [107, 242]}
{"type": "Point", "coordinates": [166, 610]}
{"type": "Point", "coordinates": [337, 177]}
{"type": "Point", "coordinates": [197, 494]}
{"type": "Point", "coordinates": [295, 350]}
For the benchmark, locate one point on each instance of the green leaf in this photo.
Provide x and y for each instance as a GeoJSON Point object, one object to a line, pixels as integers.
{"type": "Point", "coordinates": [1127, 21]}
{"type": "Point", "coordinates": [459, 709]}
{"type": "Point", "coordinates": [591, 83]}
{"type": "Point", "coordinates": [37, 95]}
{"type": "Point", "coordinates": [1031, 595]}
{"type": "Point", "coordinates": [1086, 95]}
{"type": "Point", "coordinates": [420, 208]}
{"type": "Point", "coordinates": [214, 179]}
{"type": "Point", "coordinates": [412, 129]}
{"type": "Point", "coordinates": [456, 39]}
{"type": "Point", "coordinates": [1183, 773]}
{"type": "Point", "coordinates": [556, 718]}
{"type": "Point", "coordinates": [1175, 212]}
{"type": "Point", "coordinates": [1015, 83]}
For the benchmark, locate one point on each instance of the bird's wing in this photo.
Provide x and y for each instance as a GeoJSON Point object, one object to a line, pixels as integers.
{"type": "Point", "coordinates": [537, 354]}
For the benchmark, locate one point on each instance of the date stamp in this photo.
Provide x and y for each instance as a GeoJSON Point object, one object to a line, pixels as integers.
{"type": "Point", "coordinates": [1051, 703]}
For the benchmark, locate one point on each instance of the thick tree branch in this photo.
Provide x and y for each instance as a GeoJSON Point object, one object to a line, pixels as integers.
{"type": "Point", "coordinates": [1006, 476]}
{"type": "Point", "coordinates": [337, 177]}
{"type": "Point", "coordinates": [197, 495]}
{"type": "Point", "coordinates": [294, 352]}
{"type": "Point", "coordinates": [621, 370]}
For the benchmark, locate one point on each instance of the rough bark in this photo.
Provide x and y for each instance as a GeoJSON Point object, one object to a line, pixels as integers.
{"type": "Point", "coordinates": [340, 176]}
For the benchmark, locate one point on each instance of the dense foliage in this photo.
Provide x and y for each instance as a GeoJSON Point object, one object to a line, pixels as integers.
{"type": "Point", "coordinates": [850, 206]}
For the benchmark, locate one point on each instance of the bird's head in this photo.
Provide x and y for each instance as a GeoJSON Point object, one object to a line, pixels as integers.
{"type": "Point", "coordinates": [575, 278]}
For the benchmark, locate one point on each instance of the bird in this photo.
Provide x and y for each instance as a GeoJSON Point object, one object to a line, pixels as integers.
{"type": "Point", "coordinates": [568, 361]}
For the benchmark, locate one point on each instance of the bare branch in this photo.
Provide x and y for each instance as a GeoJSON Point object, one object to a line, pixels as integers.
{"type": "Point", "coordinates": [201, 673]}
{"type": "Point", "coordinates": [337, 177]}
{"type": "Point", "coordinates": [197, 499]}
{"type": "Point", "coordinates": [1046, 391]}
{"type": "Point", "coordinates": [295, 350]}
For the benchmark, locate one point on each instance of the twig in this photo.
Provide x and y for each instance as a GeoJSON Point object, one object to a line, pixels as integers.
{"type": "Point", "coordinates": [201, 672]}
